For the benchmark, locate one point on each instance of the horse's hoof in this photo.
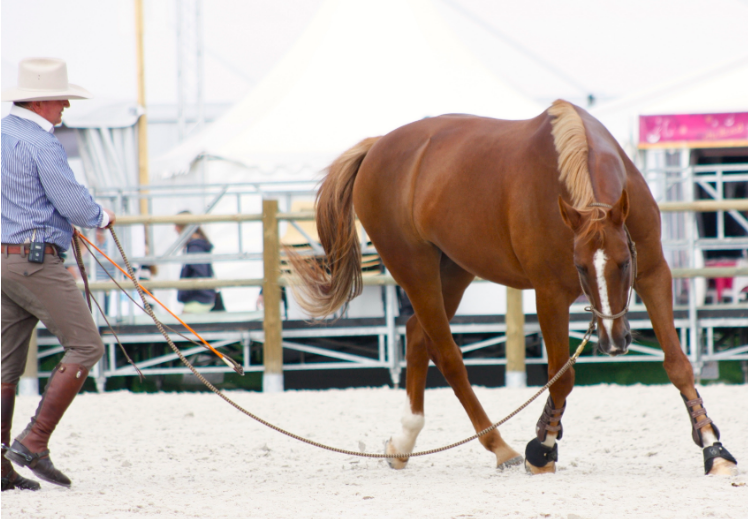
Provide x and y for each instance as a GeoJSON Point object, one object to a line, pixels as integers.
{"type": "Point", "coordinates": [395, 463]}
{"type": "Point", "coordinates": [513, 462]}
{"type": "Point", "coordinates": [722, 467]}
{"type": "Point", "coordinates": [550, 468]}
{"type": "Point", "coordinates": [506, 456]}
{"type": "Point", "coordinates": [719, 462]}
{"type": "Point", "coordinates": [539, 458]}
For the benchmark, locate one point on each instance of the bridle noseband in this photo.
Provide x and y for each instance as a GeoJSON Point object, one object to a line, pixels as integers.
{"type": "Point", "coordinates": [632, 251]}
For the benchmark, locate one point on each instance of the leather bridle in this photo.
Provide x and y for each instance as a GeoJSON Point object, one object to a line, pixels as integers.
{"type": "Point", "coordinates": [632, 251]}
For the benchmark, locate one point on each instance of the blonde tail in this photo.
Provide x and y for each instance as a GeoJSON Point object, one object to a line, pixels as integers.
{"type": "Point", "coordinates": [321, 288]}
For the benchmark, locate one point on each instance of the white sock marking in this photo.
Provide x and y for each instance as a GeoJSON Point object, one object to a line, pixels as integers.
{"type": "Point", "coordinates": [412, 425]}
{"type": "Point", "coordinates": [599, 260]}
{"type": "Point", "coordinates": [708, 437]}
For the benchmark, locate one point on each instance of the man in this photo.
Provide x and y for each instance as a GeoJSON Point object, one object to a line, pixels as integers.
{"type": "Point", "coordinates": [41, 201]}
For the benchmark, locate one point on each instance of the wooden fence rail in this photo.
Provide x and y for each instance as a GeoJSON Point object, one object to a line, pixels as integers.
{"type": "Point", "coordinates": [375, 280]}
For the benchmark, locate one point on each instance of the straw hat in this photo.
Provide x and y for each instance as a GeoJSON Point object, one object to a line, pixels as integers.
{"type": "Point", "coordinates": [44, 79]}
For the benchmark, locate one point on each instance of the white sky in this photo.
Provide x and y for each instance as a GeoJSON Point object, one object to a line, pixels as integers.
{"type": "Point", "coordinates": [607, 48]}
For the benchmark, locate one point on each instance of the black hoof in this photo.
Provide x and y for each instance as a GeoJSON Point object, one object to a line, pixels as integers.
{"type": "Point", "coordinates": [716, 451]}
{"type": "Point", "coordinates": [39, 463]}
{"type": "Point", "coordinates": [540, 455]}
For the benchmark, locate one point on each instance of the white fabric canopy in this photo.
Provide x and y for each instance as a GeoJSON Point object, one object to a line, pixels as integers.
{"type": "Point", "coordinates": [360, 69]}
{"type": "Point", "coordinates": [718, 89]}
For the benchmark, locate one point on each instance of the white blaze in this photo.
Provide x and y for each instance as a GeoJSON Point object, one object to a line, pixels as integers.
{"type": "Point", "coordinates": [600, 259]}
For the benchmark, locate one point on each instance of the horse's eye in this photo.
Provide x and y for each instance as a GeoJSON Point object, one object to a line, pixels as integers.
{"type": "Point", "coordinates": [625, 265]}
{"type": "Point", "coordinates": [581, 269]}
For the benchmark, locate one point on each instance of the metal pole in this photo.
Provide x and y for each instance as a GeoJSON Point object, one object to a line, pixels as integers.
{"type": "Point", "coordinates": [272, 380]}
{"type": "Point", "coordinates": [392, 338]}
{"type": "Point", "coordinates": [181, 98]}
{"type": "Point", "coordinates": [691, 233]}
{"type": "Point", "coordinates": [200, 65]}
{"type": "Point", "coordinates": [143, 176]}
{"type": "Point", "coordinates": [29, 383]}
{"type": "Point", "coordinates": [516, 374]}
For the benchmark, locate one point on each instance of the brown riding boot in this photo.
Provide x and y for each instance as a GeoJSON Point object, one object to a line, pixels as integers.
{"type": "Point", "coordinates": [10, 478]}
{"type": "Point", "coordinates": [30, 448]}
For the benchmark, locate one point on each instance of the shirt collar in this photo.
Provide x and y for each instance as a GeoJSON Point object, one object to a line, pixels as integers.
{"type": "Point", "coordinates": [32, 116]}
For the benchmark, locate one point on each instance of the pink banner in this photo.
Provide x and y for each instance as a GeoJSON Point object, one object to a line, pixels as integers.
{"type": "Point", "coordinates": [699, 129]}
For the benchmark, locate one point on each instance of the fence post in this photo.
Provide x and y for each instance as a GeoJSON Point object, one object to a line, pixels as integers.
{"type": "Point", "coordinates": [29, 383]}
{"type": "Point", "coordinates": [272, 379]}
{"type": "Point", "coordinates": [516, 375]}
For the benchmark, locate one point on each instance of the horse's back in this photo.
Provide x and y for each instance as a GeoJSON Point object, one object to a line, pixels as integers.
{"type": "Point", "coordinates": [462, 183]}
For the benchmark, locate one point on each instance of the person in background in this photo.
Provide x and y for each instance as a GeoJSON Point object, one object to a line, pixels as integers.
{"type": "Point", "coordinates": [196, 301]}
{"type": "Point", "coordinates": [41, 201]}
{"type": "Point", "coordinates": [104, 270]}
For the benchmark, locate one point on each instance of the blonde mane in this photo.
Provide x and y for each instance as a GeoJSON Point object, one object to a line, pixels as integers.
{"type": "Point", "coordinates": [570, 140]}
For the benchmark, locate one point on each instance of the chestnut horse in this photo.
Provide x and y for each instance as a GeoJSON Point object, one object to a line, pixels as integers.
{"type": "Point", "coordinates": [548, 204]}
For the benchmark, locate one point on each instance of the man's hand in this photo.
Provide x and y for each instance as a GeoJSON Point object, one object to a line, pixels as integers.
{"type": "Point", "coordinates": [112, 218]}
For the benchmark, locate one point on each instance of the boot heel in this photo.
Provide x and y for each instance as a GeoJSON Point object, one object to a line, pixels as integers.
{"type": "Point", "coordinates": [18, 457]}
{"type": "Point", "coordinates": [39, 463]}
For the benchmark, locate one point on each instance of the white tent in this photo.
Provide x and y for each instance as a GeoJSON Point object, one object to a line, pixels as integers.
{"type": "Point", "coordinates": [718, 89]}
{"type": "Point", "coordinates": [360, 69]}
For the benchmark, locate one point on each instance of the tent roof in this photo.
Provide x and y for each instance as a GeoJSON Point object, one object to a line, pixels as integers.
{"type": "Point", "coordinates": [360, 69]}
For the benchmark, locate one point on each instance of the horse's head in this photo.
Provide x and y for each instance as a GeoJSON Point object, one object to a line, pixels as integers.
{"type": "Point", "coordinates": [603, 258]}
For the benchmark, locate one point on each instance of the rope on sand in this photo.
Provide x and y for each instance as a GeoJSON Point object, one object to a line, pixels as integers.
{"type": "Point", "coordinates": [147, 307]}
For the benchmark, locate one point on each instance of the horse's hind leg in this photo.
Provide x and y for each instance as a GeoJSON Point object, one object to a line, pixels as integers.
{"type": "Point", "coordinates": [417, 359]}
{"type": "Point", "coordinates": [435, 286]}
{"type": "Point", "coordinates": [654, 287]}
{"type": "Point", "coordinates": [454, 282]}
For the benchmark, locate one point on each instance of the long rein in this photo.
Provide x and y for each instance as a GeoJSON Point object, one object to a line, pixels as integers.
{"type": "Point", "coordinates": [147, 307]}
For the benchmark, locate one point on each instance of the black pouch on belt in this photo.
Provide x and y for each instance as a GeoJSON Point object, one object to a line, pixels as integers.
{"type": "Point", "coordinates": [36, 252]}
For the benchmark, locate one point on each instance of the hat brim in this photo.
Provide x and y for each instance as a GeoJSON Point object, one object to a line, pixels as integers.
{"type": "Point", "coordinates": [24, 94]}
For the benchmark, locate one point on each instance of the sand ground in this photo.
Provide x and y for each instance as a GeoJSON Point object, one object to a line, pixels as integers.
{"type": "Point", "coordinates": [626, 452]}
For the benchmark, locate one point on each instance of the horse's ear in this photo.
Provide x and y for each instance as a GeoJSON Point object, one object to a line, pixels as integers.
{"type": "Point", "coordinates": [571, 216]}
{"type": "Point", "coordinates": [620, 210]}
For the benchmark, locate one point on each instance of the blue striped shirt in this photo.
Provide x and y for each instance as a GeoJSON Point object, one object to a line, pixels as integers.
{"type": "Point", "coordinates": [39, 190]}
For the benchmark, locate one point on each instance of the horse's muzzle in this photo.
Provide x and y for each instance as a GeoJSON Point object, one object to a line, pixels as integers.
{"type": "Point", "coordinates": [619, 346]}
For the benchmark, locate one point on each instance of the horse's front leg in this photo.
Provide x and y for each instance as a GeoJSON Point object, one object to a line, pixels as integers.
{"type": "Point", "coordinates": [655, 289]}
{"type": "Point", "coordinates": [541, 452]}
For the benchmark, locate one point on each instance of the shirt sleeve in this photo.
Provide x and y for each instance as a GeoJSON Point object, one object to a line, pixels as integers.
{"type": "Point", "coordinates": [70, 199]}
{"type": "Point", "coordinates": [104, 218]}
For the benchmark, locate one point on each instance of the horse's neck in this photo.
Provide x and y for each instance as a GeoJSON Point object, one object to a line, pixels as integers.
{"type": "Point", "coordinates": [606, 166]}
